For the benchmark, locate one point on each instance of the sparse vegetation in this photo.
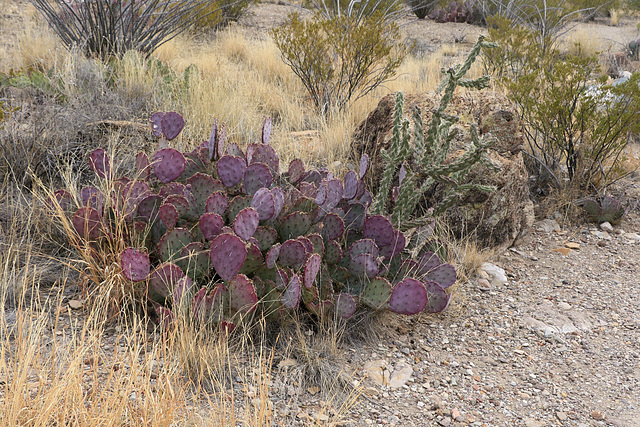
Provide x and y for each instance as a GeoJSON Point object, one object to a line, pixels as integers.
{"type": "Point", "coordinates": [81, 341]}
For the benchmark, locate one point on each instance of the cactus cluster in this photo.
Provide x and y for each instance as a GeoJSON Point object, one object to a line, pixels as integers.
{"type": "Point", "coordinates": [418, 162]}
{"type": "Point", "coordinates": [458, 11]}
{"type": "Point", "coordinates": [605, 209]}
{"type": "Point", "coordinates": [227, 233]}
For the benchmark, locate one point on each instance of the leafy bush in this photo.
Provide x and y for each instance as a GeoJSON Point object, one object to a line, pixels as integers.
{"type": "Point", "coordinates": [106, 28]}
{"type": "Point", "coordinates": [576, 126]}
{"type": "Point", "coordinates": [229, 235]}
{"type": "Point", "coordinates": [340, 58]}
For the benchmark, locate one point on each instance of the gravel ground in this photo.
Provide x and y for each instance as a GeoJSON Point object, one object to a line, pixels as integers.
{"type": "Point", "coordinates": [557, 344]}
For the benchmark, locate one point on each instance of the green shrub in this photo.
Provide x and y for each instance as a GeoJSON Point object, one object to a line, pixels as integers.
{"type": "Point", "coordinates": [219, 13]}
{"type": "Point", "coordinates": [340, 58]}
{"type": "Point", "coordinates": [576, 126]}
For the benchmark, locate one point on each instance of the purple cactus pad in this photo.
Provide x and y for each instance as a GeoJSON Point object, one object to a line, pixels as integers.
{"type": "Point", "coordinates": [364, 166]}
{"type": "Point", "coordinates": [311, 270]}
{"type": "Point", "coordinates": [333, 227]}
{"type": "Point", "coordinates": [408, 297]}
{"type": "Point", "coordinates": [227, 253]}
{"type": "Point", "coordinates": [156, 124]}
{"type": "Point", "coordinates": [246, 223]}
{"type": "Point", "coordinates": [231, 170]}
{"type": "Point", "coordinates": [100, 163]}
{"type": "Point", "coordinates": [135, 264]}
{"type": "Point", "coordinates": [257, 176]}
{"type": "Point", "coordinates": [242, 294]}
{"type": "Point", "coordinates": [171, 124]}
{"type": "Point", "coordinates": [292, 254]}
{"type": "Point", "coordinates": [211, 225]}
{"type": "Point", "coordinates": [296, 170]}
{"type": "Point", "coordinates": [164, 278]}
{"type": "Point", "coordinates": [345, 306]}
{"type": "Point", "coordinates": [217, 203]}
{"type": "Point", "coordinates": [88, 223]}
{"type": "Point", "coordinates": [168, 164]}
{"type": "Point", "coordinates": [444, 275]}
{"type": "Point", "coordinates": [437, 298]}
{"type": "Point", "coordinates": [266, 130]}
{"type": "Point", "coordinates": [168, 215]}
{"type": "Point", "coordinates": [291, 296]}
{"type": "Point", "coordinates": [379, 228]}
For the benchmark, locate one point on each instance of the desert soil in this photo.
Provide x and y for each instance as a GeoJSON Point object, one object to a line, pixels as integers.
{"type": "Point", "coordinates": [558, 343]}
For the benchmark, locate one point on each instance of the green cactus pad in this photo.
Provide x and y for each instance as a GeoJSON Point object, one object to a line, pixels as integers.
{"type": "Point", "coordinates": [377, 293]}
{"type": "Point", "coordinates": [135, 264]}
{"type": "Point", "coordinates": [266, 237]}
{"type": "Point", "coordinates": [194, 261]}
{"type": "Point", "coordinates": [333, 227]}
{"type": "Point", "coordinates": [202, 187]}
{"type": "Point", "coordinates": [294, 225]}
{"type": "Point", "coordinates": [172, 243]}
{"type": "Point", "coordinates": [237, 204]}
{"type": "Point", "coordinates": [332, 252]}
{"type": "Point", "coordinates": [317, 242]}
{"type": "Point", "coordinates": [253, 261]}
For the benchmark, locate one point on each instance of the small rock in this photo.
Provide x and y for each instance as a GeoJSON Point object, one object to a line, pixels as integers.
{"type": "Point", "coordinates": [496, 274]}
{"type": "Point", "coordinates": [547, 225]}
{"type": "Point", "coordinates": [532, 423]}
{"type": "Point", "coordinates": [561, 416]}
{"type": "Point", "coordinates": [602, 235]}
{"type": "Point", "coordinates": [632, 236]}
{"type": "Point", "coordinates": [75, 304]}
{"type": "Point", "coordinates": [445, 422]}
{"type": "Point", "coordinates": [455, 414]}
{"type": "Point", "coordinates": [313, 390]}
{"type": "Point", "coordinates": [564, 306]}
{"type": "Point", "coordinates": [563, 251]}
{"type": "Point", "coordinates": [371, 391]}
{"type": "Point", "coordinates": [572, 245]}
{"type": "Point", "coordinates": [606, 226]}
{"type": "Point", "coordinates": [597, 415]}
{"type": "Point", "coordinates": [602, 243]}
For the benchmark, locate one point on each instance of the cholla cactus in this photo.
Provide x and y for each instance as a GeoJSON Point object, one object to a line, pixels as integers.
{"type": "Point", "coordinates": [226, 233]}
{"type": "Point", "coordinates": [418, 162]}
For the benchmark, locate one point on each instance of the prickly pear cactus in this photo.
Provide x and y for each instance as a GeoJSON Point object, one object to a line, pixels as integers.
{"type": "Point", "coordinates": [227, 231]}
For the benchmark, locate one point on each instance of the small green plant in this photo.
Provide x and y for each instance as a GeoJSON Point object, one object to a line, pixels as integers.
{"type": "Point", "coordinates": [340, 58]}
{"type": "Point", "coordinates": [218, 14]}
{"type": "Point", "coordinates": [417, 161]}
{"type": "Point", "coordinates": [225, 234]}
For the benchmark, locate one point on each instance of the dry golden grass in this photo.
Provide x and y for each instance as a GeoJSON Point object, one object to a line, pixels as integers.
{"type": "Point", "coordinates": [102, 366]}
